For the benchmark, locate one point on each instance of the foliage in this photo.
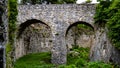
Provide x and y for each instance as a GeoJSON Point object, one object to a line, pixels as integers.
{"type": "Point", "coordinates": [101, 12]}
{"type": "Point", "coordinates": [108, 12]}
{"type": "Point", "coordinates": [113, 23]}
{"type": "Point", "coordinates": [12, 12]}
{"type": "Point", "coordinates": [42, 60]}
{"type": "Point", "coordinates": [88, 1]}
{"type": "Point", "coordinates": [81, 60]}
{"type": "Point", "coordinates": [48, 1]}
{"type": "Point", "coordinates": [35, 60]}
{"type": "Point", "coordinates": [61, 1]}
{"type": "Point", "coordinates": [86, 29]}
{"type": "Point", "coordinates": [78, 53]}
{"type": "Point", "coordinates": [98, 65]}
{"type": "Point", "coordinates": [31, 1]}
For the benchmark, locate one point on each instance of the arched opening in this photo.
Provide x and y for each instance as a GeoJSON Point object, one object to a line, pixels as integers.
{"type": "Point", "coordinates": [80, 34]}
{"type": "Point", "coordinates": [79, 38]}
{"type": "Point", "coordinates": [34, 36]}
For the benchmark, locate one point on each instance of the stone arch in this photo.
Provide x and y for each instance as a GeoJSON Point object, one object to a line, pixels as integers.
{"type": "Point", "coordinates": [73, 38]}
{"type": "Point", "coordinates": [33, 36]}
{"type": "Point", "coordinates": [79, 22]}
{"type": "Point", "coordinates": [27, 23]}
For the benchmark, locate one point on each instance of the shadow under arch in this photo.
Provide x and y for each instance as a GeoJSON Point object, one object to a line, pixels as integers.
{"type": "Point", "coordinates": [27, 23]}
{"type": "Point", "coordinates": [76, 23]}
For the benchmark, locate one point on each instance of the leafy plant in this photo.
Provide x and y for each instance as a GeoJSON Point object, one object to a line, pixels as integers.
{"type": "Point", "coordinates": [42, 60]}
{"type": "Point", "coordinates": [98, 65]}
{"type": "Point", "coordinates": [12, 13]}
{"type": "Point", "coordinates": [108, 13]}
{"type": "Point", "coordinates": [35, 60]}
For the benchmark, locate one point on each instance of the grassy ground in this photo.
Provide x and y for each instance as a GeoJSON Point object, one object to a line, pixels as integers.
{"type": "Point", "coordinates": [37, 60]}
{"type": "Point", "coordinates": [77, 58]}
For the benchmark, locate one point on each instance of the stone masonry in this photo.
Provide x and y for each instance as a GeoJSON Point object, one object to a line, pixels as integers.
{"type": "Point", "coordinates": [58, 18]}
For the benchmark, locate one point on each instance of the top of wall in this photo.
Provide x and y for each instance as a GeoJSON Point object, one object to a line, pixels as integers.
{"type": "Point", "coordinates": [59, 6]}
{"type": "Point", "coordinates": [68, 13]}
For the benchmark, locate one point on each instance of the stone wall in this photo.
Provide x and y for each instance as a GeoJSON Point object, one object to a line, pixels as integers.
{"type": "Point", "coordinates": [51, 14]}
{"type": "Point", "coordinates": [58, 18]}
{"type": "Point", "coordinates": [103, 50]}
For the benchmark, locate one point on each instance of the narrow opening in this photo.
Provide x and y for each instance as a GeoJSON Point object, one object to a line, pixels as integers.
{"type": "Point", "coordinates": [1, 57]}
{"type": "Point", "coordinates": [1, 38]}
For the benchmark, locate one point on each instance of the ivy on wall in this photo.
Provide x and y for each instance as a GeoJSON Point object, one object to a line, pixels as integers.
{"type": "Point", "coordinates": [113, 23]}
{"type": "Point", "coordinates": [108, 12]}
{"type": "Point", "coordinates": [12, 13]}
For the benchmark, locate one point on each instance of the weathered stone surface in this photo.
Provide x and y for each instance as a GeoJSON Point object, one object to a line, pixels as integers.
{"type": "Point", "coordinates": [103, 50]}
{"type": "Point", "coordinates": [58, 18]}
{"type": "Point", "coordinates": [67, 13]}
{"type": "Point", "coordinates": [115, 56]}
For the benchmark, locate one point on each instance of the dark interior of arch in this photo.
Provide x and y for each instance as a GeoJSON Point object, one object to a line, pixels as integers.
{"type": "Point", "coordinates": [1, 39]}
{"type": "Point", "coordinates": [1, 26]}
{"type": "Point", "coordinates": [24, 25]}
{"type": "Point", "coordinates": [79, 22]}
{"type": "Point", "coordinates": [1, 57]}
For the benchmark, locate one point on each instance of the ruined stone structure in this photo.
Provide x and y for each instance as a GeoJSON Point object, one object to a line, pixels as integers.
{"type": "Point", "coordinates": [44, 28]}
{"type": "Point", "coordinates": [3, 31]}
{"type": "Point", "coordinates": [58, 20]}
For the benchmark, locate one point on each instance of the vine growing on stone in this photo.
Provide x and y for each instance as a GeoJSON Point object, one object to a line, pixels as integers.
{"type": "Point", "coordinates": [12, 13]}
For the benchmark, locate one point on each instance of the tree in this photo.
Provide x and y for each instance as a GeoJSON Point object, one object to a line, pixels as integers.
{"type": "Point", "coordinates": [108, 12]}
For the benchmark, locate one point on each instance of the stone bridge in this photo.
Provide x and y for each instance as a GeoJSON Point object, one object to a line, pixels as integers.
{"type": "Point", "coordinates": [59, 18]}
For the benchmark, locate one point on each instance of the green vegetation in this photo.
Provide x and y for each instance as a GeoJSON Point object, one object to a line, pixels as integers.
{"type": "Point", "coordinates": [88, 1]}
{"type": "Point", "coordinates": [62, 1]}
{"type": "Point", "coordinates": [12, 13]}
{"type": "Point", "coordinates": [108, 14]}
{"type": "Point", "coordinates": [49, 1]}
{"type": "Point", "coordinates": [37, 60]}
{"type": "Point", "coordinates": [77, 58]}
{"type": "Point", "coordinates": [86, 29]}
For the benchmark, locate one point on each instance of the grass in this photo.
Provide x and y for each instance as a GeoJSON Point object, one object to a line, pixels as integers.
{"type": "Point", "coordinates": [37, 60]}
{"type": "Point", "coordinates": [77, 58]}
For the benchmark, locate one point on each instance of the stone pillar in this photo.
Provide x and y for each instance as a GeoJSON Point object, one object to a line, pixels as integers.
{"type": "Point", "coordinates": [101, 50]}
{"type": "Point", "coordinates": [59, 51]}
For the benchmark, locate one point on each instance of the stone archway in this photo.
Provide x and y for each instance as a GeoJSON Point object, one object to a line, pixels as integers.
{"type": "Point", "coordinates": [79, 34]}
{"type": "Point", "coordinates": [33, 36]}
